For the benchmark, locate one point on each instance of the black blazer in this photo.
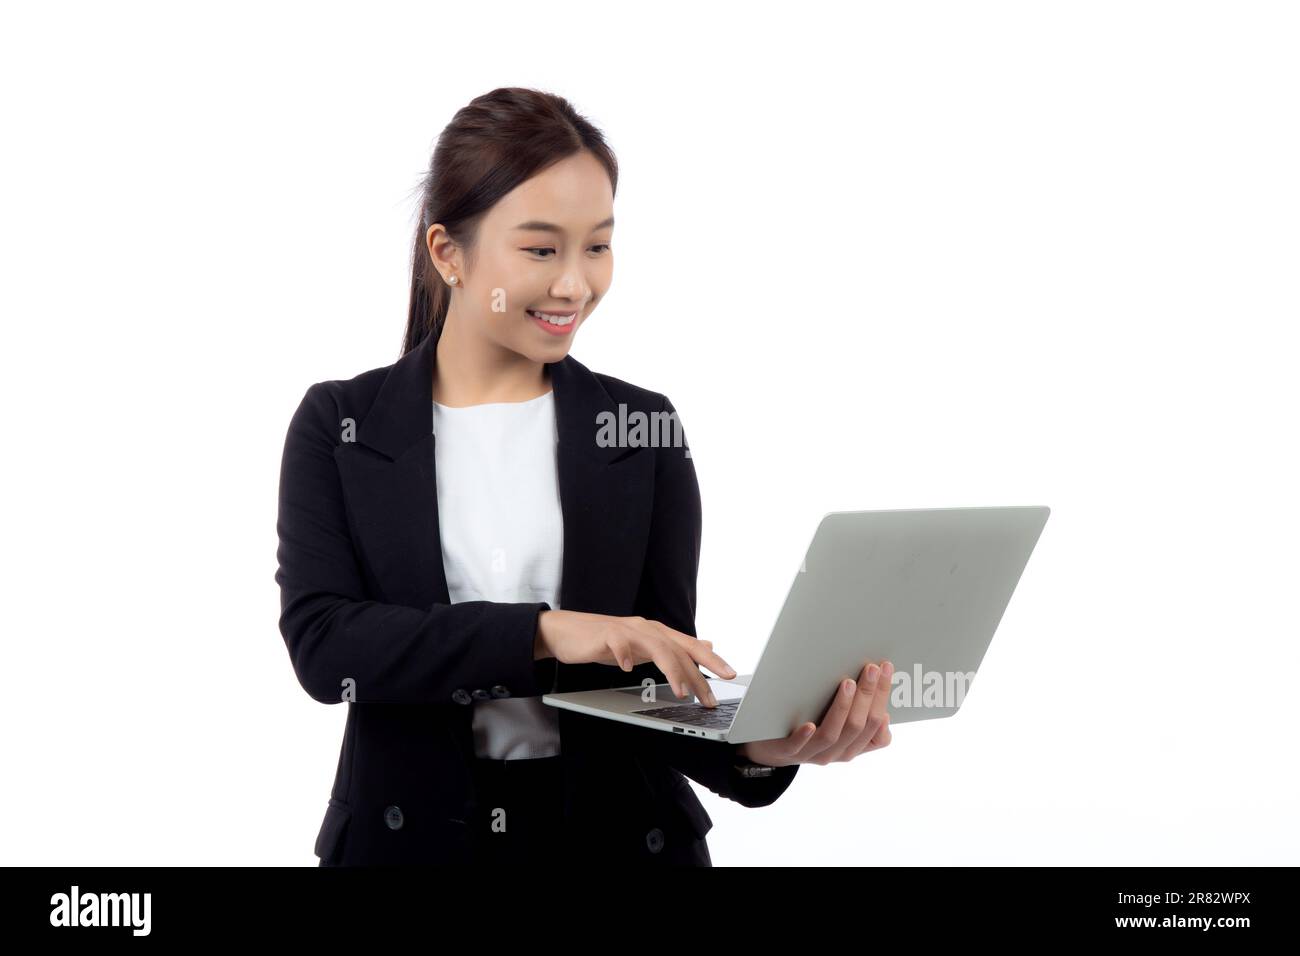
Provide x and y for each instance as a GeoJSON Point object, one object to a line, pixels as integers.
{"type": "Point", "coordinates": [366, 617]}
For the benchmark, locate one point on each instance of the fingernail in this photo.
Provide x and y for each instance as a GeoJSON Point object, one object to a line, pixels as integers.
{"type": "Point", "coordinates": [848, 686]}
{"type": "Point", "coordinates": [872, 673]}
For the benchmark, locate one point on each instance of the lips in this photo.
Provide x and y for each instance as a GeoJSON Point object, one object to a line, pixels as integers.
{"type": "Point", "coordinates": [554, 318]}
{"type": "Point", "coordinates": [551, 324]}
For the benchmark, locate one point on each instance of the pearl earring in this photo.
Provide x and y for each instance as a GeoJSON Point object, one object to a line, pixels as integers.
{"type": "Point", "coordinates": [452, 280]}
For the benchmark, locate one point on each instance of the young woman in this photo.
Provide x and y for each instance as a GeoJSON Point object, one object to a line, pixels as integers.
{"type": "Point", "coordinates": [456, 539]}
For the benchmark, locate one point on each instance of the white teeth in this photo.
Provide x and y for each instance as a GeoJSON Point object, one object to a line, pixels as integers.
{"type": "Point", "coordinates": [554, 320]}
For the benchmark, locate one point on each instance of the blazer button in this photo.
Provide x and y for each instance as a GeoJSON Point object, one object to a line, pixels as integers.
{"type": "Point", "coordinates": [393, 817]}
{"type": "Point", "coordinates": [655, 840]}
{"type": "Point", "coordinates": [480, 694]}
{"type": "Point", "coordinates": [500, 690]}
{"type": "Point", "coordinates": [461, 696]}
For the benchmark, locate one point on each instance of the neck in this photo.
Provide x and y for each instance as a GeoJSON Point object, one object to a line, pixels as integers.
{"type": "Point", "coordinates": [470, 370]}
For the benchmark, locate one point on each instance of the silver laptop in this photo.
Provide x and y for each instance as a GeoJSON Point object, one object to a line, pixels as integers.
{"type": "Point", "coordinates": [923, 588]}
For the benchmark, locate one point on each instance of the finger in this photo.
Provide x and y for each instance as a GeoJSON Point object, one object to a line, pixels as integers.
{"type": "Point", "coordinates": [700, 651]}
{"type": "Point", "coordinates": [882, 738]}
{"type": "Point", "coordinates": [700, 684]}
{"type": "Point", "coordinates": [683, 676]}
{"type": "Point", "coordinates": [861, 724]}
{"type": "Point", "coordinates": [647, 646]}
{"type": "Point", "coordinates": [884, 687]}
{"type": "Point", "coordinates": [621, 650]}
{"type": "Point", "coordinates": [879, 711]}
{"type": "Point", "coordinates": [797, 742]}
{"type": "Point", "coordinates": [783, 751]}
{"type": "Point", "coordinates": [832, 723]}
{"type": "Point", "coordinates": [880, 703]}
{"type": "Point", "coordinates": [684, 648]}
{"type": "Point", "coordinates": [705, 655]}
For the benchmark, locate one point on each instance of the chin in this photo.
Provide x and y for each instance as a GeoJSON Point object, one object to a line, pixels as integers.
{"type": "Point", "coordinates": [557, 351]}
{"type": "Point", "coordinates": [544, 354]}
{"type": "Point", "coordinates": [556, 347]}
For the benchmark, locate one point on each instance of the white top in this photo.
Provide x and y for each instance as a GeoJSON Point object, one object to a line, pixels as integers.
{"type": "Point", "coordinates": [502, 539]}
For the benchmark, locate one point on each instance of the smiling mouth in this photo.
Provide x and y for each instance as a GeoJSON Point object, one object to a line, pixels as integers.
{"type": "Point", "coordinates": [559, 320]}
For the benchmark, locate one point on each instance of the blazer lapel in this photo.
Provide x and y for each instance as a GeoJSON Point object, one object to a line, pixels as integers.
{"type": "Point", "coordinates": [605, 497]}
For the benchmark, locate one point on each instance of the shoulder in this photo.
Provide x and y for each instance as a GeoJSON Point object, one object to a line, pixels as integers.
{"type": "Point", "coordinates": [355, 394]}
{"type": "Point", "coordinates": [328, 402]}
{"type": "Point", "coordinates": [347, 397]}
{"type": "Point", "coordinates": [649, 419]}
{"type": "Point", "coordinates": [633, 397]}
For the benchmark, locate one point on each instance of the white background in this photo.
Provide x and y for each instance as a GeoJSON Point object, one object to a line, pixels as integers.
{"type": "Point", "coordinates": [893, 256]}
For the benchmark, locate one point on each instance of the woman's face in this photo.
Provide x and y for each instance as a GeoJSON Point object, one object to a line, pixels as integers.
{"type": "Point", "coordinates": [544, 247]}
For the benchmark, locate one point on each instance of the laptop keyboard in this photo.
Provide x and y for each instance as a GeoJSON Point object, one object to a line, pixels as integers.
{"type": "Point", "coordinates": [697, 715]}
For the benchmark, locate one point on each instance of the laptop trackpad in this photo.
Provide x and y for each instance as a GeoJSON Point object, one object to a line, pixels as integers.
{"type": "Point", "coordinates": [723, 690]}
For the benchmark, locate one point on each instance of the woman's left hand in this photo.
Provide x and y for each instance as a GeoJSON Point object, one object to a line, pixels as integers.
{"type": "Point", "coordinates": [857, 722]}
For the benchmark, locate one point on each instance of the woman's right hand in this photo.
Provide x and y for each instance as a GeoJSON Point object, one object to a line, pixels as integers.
{"type": "Point", "coordinates": [577, 637]}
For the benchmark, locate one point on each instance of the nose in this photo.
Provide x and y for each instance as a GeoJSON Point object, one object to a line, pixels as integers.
{"type": "Point", "coordinates": [572, 286]}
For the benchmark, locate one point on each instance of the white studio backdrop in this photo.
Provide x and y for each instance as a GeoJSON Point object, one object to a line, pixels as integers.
{"type": "Point", "coordinates": [879, 256]}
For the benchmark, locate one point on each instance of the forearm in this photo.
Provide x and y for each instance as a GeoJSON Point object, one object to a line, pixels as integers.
{"type": "Point", "coordinates": [370, 652]}
{"type": "Point", "coordinates": [713, 765]}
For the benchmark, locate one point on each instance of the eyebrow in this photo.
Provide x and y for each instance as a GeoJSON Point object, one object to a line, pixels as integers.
{"type": "Point", "coordinates": [536, 225]}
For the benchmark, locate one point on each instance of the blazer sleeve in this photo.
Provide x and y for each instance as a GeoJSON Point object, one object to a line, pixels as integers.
{"type": "Point", "coordinates": [667, 594]}
{"type": "Point", "coordinates": [338, 638]}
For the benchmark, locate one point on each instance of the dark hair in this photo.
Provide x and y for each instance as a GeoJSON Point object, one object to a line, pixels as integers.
{"type": "Point", "coordinates": [493, 144]}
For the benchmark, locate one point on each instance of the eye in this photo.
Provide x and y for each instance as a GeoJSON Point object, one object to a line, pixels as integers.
{"type": "Point", "coordinates": [540, 249]}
